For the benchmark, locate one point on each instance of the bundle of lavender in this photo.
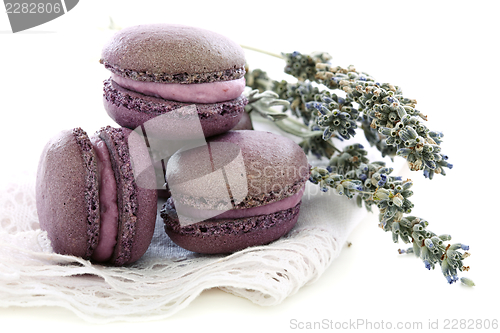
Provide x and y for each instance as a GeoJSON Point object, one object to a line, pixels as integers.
{"type": "Point", "coordinates": [328, 103]}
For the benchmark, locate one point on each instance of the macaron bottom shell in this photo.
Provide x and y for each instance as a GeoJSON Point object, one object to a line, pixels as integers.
{"type": "Point", "coordinates": [137, 206]}
{"type": "Point", "coordinates": [132, 109]}
{"type": "Point", "coordinates": [221, 236]}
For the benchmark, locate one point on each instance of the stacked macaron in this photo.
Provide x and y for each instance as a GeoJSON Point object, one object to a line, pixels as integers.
{"type": "Point", "coordinates": [157, 68]}
{"type": "Point", "coordinates": [88, 200]}
{"type": "Point", "coordinates": [249, 193]}
{"type": "Point", "coordinates": [235, 189]}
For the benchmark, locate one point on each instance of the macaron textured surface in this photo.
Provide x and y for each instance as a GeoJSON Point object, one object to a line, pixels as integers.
{"type": "Point", "coordinates": [131, 109]}
{"type": "Point", "coordinates": [193, 65]}
{"type": "Point", "coordinates": [276, 170]}
{"type": "Point", "coordinates": [137, 206]}
{"type": "Point", "coordinates": [68, 197]}
{"type": "Point", "coordinates": [67, 193]}
{"type": "Point", "coordinates": [173, 54]}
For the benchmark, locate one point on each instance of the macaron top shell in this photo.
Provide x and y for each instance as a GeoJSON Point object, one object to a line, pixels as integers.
{"type": "Point", "coordinates": [173, 53]}
{"type": "Point", "coordinates": [67, 193]}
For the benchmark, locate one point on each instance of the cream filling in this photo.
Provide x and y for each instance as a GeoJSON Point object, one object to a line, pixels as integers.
{"type": "Point", "coordinates": [204, 214]}
{"type": "Point", "coordinates": [107, 201]}
{"type": "Point", "coordinates": [212, 92]}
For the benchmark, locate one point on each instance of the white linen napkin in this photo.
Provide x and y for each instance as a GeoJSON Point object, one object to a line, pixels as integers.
{"type": "Point", "coordinates": [167, 278]}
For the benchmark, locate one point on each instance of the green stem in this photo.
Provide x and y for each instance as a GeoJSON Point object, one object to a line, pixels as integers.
{"type": "Point", "coordinates": [336, 149]}
{"type": "Point", "coordinates": [262, 51]}
{"type": "Point", "coordinates": [293, 127]}
{"type": "Point", "coordinates": [297, 123]}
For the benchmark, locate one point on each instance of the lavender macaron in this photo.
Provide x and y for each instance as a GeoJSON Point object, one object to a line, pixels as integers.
{"type": "Point", "coordinates": [158, 68]}
{"type": "Point", "coordinates": [243, 189]}
{"type": "Point", "coordinates": [88, 199]}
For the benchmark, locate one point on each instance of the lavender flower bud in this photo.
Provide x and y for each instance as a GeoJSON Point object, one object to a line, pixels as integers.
{"type": "Point", "coordinates": [455, 246]}
{"type": "Point", "coordinates": [430, 164]}
{"type": "Point", "coordinates": [417, 236]}
{"type": "Point", "coordinates": [396, 228]}
{"type": "Point", "coordinates": [382, 194]}
{"type": "Point", "coordinates": [445, 267]}
{"type": "Point", "coordinates": [453, 255]}
{"type": "Point", "coordinates": [405, 222]}
{"type": "Point", "coordinates": [429, 244]}
{"type": "Point", "coordinates": [424, 255]}
{"type": "Point", "coordinates": [445, 237]}
{"type": "Point", "coordinates": [395, 237]}
{"type": "Point", "coordinates": [437, 241]}
{"type": "Point", "coordinates": [437, 157]}
{"type": "Point", "coordinates": [397, 201]}
{"type": "Point", "coordinates": [385, 131]}
{"type": "Point", "coordinates": [401, 112]}
{"type": "Point", "coordinates": [418, 227]}
{"type": "Point", "coordinates": [404, 237]}
{"type": "Point", "coordinates": [467, 282]}
{"type": "Point", "coordinates": [382, 181]}
{"type": "Point", "coordinates": [340, 189]}
{"type": "Point", "coordinates": [407, 184]}
{"type": "Point", "coordinates": [416, 249]}
{"type": "Point", "coordinates": [390, 212]}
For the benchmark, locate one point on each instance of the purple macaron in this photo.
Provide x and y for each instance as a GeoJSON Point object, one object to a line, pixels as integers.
{"type": "Point", "coordinates": [88, 199]}
{"type": "Point", "coordinates": [158, 68]}
{"type": "Point", "coordinates": [243, 189]}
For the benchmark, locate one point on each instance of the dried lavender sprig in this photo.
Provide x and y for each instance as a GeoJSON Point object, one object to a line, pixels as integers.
{"type": "Point", "coordinates": [372, 179]}
{"type": "Point", "coordinates": [431, 249]}
{"type": "Point", "coordinates": [392, 115]}
{"type": "Point", "coordinates": [318, 147]}
{"type": "Point", "coordinates": [379, 186]}
{"type": "Point", "coordinates": [376, 139]}
{"type": "Point", "coordinates": [297, 95]}
{"type": "Point", "coordinates": [303, 66]}
{"type": "Point", "coordinates": [350, 173]}
{"type": "Point", "coordinates": [325, 178]}
{"type": "Point", "coordinates": [336, 117]}
{"type": "Point", "coordinates": [387, 115]}
{"type": "Point", "coordinates": [257, 79]}
{"type": "Point", "coordinates": [390, 193]}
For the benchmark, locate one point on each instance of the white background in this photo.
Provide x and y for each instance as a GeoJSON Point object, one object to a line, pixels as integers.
{"type": "Point", "coordinates": [442, 53]}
